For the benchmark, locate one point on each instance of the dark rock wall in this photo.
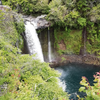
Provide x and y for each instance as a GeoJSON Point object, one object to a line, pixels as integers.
{"type": "Point", "coordinates": [25, 49]}
{"type": "Point", "coordinates": [43, 36]}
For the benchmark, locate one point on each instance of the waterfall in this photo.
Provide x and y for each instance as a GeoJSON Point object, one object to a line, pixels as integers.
{"type": "Point", "coordinates": [0, 2]}
{"type": "Point", "coordinates": [33, 40]}
{"type": "Point", "coordinates": [49, 47]}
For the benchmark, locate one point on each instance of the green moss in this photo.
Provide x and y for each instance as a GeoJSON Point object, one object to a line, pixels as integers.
{"type": "Point", "coordinates": [93, 38]}
{"type": "Point", "coordinates": [10, 30]}
{"type": "Point", "coordinates": [72, 40]}
{"type": "Point", "coordinates": [63, 59]}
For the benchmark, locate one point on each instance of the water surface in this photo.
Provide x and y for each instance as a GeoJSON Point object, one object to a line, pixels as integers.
{"type": "Point", "coordinates": [71, 74]}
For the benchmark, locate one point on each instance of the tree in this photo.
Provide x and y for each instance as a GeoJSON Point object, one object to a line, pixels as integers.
{"type": "Point", "coordinates": [79, 14]}
{"type": "Point", "coordinates": [28, 6]}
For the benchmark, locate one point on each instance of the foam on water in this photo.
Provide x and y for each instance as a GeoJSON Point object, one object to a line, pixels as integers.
{"type": "Point", "coordinates": [62, 84]}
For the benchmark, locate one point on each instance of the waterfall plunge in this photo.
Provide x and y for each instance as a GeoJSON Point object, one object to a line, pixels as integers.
{"type": "Point", "coordinates": [33, 41]}
{"type": "Point", "coordinates": [49, 47]}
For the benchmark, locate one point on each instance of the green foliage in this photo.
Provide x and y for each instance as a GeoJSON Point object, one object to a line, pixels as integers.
{"type": "Point", "coordinates": [77, 12]}
{"type": "Point", "coordinates": [54, 3]}
{"type": "Point", "coordinates": [94, 13]}
{"type": "Point", "coordinates": [63, 59]}
{"type": "Point", "coordinates": [28, 6]}
{"type": "Point", "coordinates": [56, 15]}
{"type": "Point", "coordinates": [75, 15]}
{"type": "Point", "coordinates": [82, 21]}
{"type": "Point", "coordinates": [93, 38]}
{"type": "Point", "coordinates": [71, 39]}
{"type": "Point", "coordinates": [1, 16]}
{"type": "Point", "coordinates": [20, 26]}
{"type": "Point", "coordinates": [92, 92]}
{"type": "Point", "coordinates": [27, 78]}
{"type": "Point", "coordinates": [41, 6]}
{"type": "Point", "coordinates": [8, 29]}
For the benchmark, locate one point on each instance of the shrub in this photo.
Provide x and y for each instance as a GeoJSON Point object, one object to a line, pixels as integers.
{"type": "Point", "coordinates": [92, 92]}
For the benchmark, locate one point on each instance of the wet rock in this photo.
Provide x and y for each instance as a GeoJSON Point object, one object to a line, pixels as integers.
{"type": "Point", "coordinates": [40, 21]}
{"type": "Point", "coordinates": [17, 17]}
{"type": "Point", "coordinates": [3, 89]}
{"type": "Point", "coordinates": [4, 8]}
{"type": "Point", "coordinates": [88, 59]}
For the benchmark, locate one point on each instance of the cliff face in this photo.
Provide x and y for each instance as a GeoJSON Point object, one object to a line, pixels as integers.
{"type": "Point", "coordinates": [43, 36]}
{"type": "Point", "coordinates": [11, 26]}
{"type": "Point", "coordinates": [66, 48]}
{"type": "Point", "coordinates": [10, 42]}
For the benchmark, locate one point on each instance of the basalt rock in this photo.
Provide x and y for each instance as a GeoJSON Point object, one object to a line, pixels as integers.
{"type": "Point", "coordinates": [40, 21]}
{"type": "Point", "coordinates": [5, 8]}
{"type": "Point", "coordinates": [88, 59]}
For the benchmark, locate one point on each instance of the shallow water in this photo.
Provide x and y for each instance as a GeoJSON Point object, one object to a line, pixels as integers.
{"type": "Point", "coordinates": [71, 74]}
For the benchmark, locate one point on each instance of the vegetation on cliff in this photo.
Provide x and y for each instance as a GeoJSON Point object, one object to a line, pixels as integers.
{"type": "Point", "coordinates": [21, 77]}
{"type": "Point", "coordinates": [78, 15]}
{"type": "Point", "coordinates": [68, 41]}
{"type": "Point", "coordinates": [26, 78]}
{"type": "Point", "coordinates": [67, 14]}
{"type": "Point", "coordinates": [28, 6]}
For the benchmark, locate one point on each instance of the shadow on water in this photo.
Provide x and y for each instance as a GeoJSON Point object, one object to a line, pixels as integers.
{"type": "Point", "coordinates": [72, 74]}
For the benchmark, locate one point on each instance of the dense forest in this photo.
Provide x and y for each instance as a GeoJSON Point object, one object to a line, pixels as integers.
{"type": "Point", "coordinates": [67, 16]}
{"type": "Point", "coordinates": [21, 77]}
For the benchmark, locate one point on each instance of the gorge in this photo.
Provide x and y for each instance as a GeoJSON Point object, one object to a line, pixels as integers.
{"type": "Point", "coordinates": [71, 72]}
{"type": "Point", "coordinates": [70, 36]}
{"type": "Point", "coordinates": [50, 50]}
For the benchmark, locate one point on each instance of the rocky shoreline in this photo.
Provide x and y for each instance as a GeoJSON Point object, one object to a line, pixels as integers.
{"type": "Point", "coordinates": [65, 59]}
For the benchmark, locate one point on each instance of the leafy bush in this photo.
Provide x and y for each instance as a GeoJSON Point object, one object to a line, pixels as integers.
{"type": "Point", "coordinates": [29, 79]}
{"type": "Point", "coordinates": [92, 92]}
{"type": "Point", "coordinates": [28, 6]}
{"type": "Point", "coordinates": [26, 78]}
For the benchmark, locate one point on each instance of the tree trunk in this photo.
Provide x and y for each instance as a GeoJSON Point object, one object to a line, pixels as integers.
{"type": "Point", "coordinates": [84, 40]}
{"type": "Point", "coordinates": [49, 1]}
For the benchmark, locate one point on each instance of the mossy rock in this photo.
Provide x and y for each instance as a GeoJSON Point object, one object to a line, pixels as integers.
{"type": "Point", "coordinates": [10, 28]}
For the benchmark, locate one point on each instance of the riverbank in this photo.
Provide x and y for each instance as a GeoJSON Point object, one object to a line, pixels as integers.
{"type": "Point", "coordinates": [65, 59]}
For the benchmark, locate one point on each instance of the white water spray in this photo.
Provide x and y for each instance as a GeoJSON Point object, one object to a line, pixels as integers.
{"type": "Point", "coordinates": [33, 41]}
{"type": "Point", "coordinates": [62, 84]}
{"type": "Point", "coordinates": [49, 47]}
